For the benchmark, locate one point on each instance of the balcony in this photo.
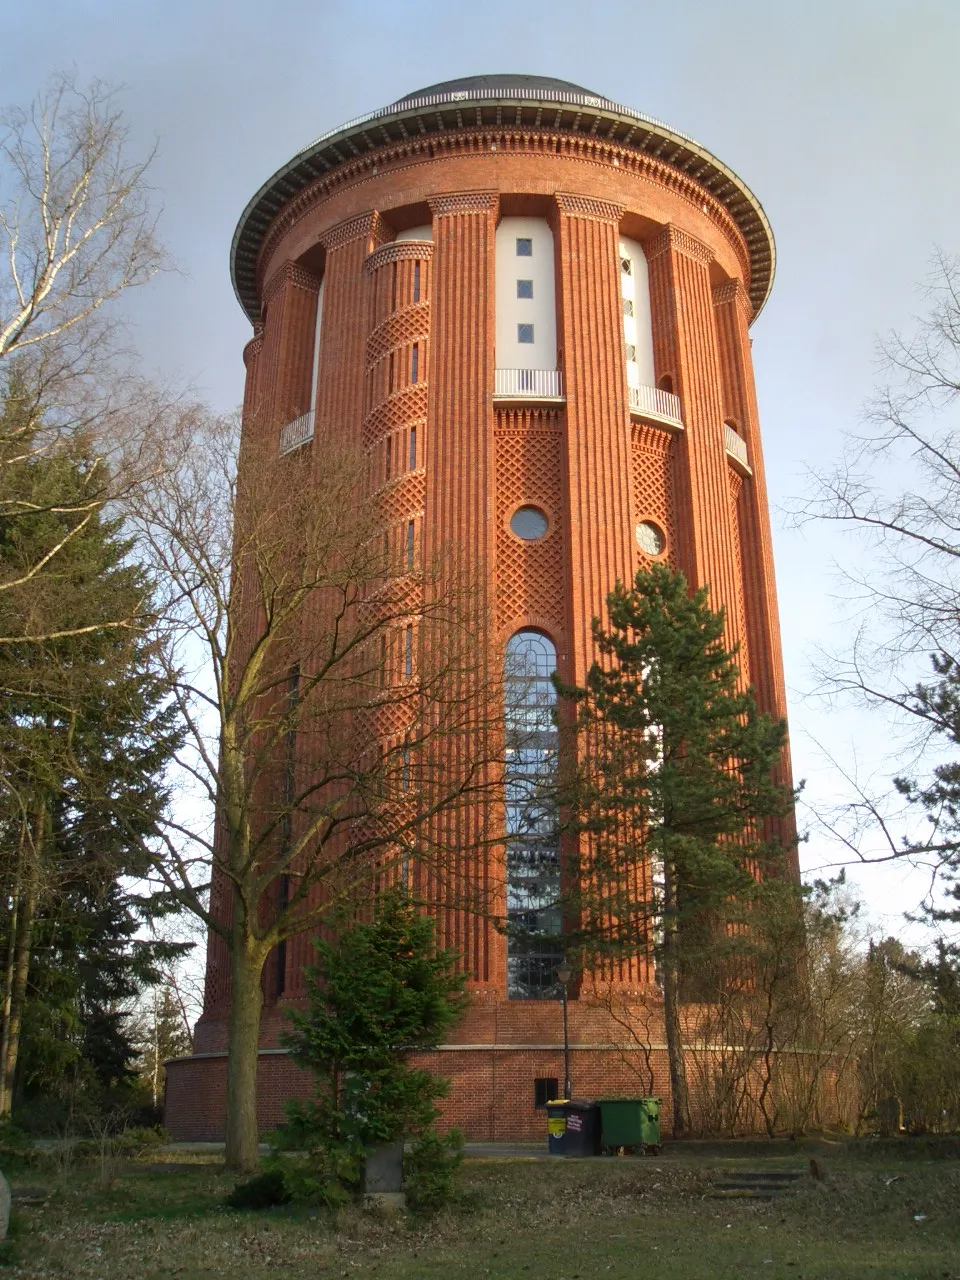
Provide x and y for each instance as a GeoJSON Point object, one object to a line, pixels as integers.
{"type": "Point", "coordinates": [528, 384]}
{"type": "Point", "coordinates": [659, 406]}
{"type": "Point", "coordinates": [296, 433]}
{"type": "Point", "coordinates": [736, 450]}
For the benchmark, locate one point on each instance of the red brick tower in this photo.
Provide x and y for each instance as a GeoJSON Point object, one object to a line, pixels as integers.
{"type": "Point", "coordinates": [562, 288]}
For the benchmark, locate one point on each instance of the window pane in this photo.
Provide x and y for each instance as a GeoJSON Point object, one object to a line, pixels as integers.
{"type": "Point", "coordinates": [534, 909]}
{"type": "Point", "coordinates": [525, 333]}
{"type": "Point", "coordinates": [649, 538]}
{"type": "Point", "coordinates": [529, 523]}
{"type": "Point", "coordinates": [628, 306]}
{"type": "Point", "coordinates": [524, 288]}
{"type": "Point", "coordinates": [626, 266]}
{"type": "Point", "coordinates": [524, 247]}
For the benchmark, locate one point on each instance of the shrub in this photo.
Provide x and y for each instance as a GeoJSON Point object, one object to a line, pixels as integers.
{"type": "Point", "coordinates": [430, 1169]}
{"type": "Point", "coordinates": [265, 1191]}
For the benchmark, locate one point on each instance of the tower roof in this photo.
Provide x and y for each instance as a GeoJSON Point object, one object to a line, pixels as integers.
{"type": "Point", "coordinates": [440, 108]}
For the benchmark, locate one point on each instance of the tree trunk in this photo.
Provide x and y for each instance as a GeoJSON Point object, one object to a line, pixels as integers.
{"type": "Point", "coordinates": [671, 1011]}
{"type": "Point", "coordinates": [243, 1036]}
{"type": "Point", "coordinates": [21, 942]}
{"type": "Point", "coordinates": [13, 927]}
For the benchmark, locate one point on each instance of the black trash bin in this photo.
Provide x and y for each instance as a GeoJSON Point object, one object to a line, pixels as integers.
{"type": "Point", "coordinates": [581, 1135]}
{"type": "Point", "coordinates": [556, 1126]}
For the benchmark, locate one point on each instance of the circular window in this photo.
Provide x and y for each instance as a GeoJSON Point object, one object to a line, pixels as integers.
{"type": "Point", "coordinates": [649, 539]}
{"type": "Point", "coordinates": [529, 523]}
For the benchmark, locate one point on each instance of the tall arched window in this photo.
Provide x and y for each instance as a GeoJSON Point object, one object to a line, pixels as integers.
{"type": "Point", "coordinates": [534, 911]}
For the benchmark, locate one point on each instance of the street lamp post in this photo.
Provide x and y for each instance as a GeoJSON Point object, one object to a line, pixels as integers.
{"type": "Point", "coordinates": [564, 974]}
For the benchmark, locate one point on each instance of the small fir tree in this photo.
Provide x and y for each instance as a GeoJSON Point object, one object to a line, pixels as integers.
{"type": "Point", "coordinates": [380, 992]}
{"type": "Point", "coordinates": [675, 776]}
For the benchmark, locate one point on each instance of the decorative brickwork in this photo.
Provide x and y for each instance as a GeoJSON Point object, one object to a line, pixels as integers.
{"type": "Point", "coordinates": [399, 251]}
{"type": "Point", "coordinates": [653, 493]}
{"type": "Point", "coordinates": [733, 291]}
{"type": "Point", "coordinates": [529, 574]}
{"type": "Point", "coordinates": [463, 202]}
{"type": "Point", "coordinates": [408, 405]}
{"type": "Point", "coordinates": [404, 327]}
{"type": "Point", "coordinates": [575, 206]}
{"type": "Point", "coordinates": [365, 226]}
{"type": "Point", "coordinates": [679, 241]}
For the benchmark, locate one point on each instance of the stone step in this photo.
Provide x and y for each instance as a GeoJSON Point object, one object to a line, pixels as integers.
{"type": "Point", "coordinates": [760, 1185]}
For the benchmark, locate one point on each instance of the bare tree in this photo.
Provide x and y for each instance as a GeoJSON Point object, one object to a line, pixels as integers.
{"type": "Point", "coordinates": [897, 488]}
{"type": "Point", "coordinates": [76, 223]}
{"type": "Point", "coordinates": [76, 231]}
{"type": "Point", "coordinates": [330, 686]}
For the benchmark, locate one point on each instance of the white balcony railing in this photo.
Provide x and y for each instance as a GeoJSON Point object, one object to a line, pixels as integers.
{"type": "Point", "coordinates": [296, 433]}
{"type": "Point", "coordinates": [528, 384]}
{"type": "Point", "coordinates": [736, 448]}
{"type": "Point", "coordinates": [651, 402]}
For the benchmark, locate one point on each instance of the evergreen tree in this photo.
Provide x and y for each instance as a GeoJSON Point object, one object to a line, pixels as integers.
{"type": "Point", "coordinates": [378, 993]}
{"type": "Point", "coordinates": [86, 729]}
{"type": "Point", "coordinates": [938, 705]}
{"type": "Point", "coordinates": [674, 781]}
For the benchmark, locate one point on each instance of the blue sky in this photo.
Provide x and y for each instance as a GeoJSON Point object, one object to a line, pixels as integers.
{"type": "Point", "coordinates": [842, 116]}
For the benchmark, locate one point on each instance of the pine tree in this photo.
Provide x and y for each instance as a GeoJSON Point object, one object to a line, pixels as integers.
{"type": "Point", "coordinates": [674, 781]}
{"type": "Point", "coordinates": [378, 993]}
{"type": "Point", "coordinates": [85, 726]}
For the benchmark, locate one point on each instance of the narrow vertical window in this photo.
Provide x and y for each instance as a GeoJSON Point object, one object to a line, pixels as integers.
{"type": "Point", "coordinates": [408, 653]}
{"type": "Point", "coordinates": [390, 376]}
{"type": "Point", "coordinates": [534, 907]}
{"type": "Point", "coordinates": [415, 362]}
{"type": "Point", "coordinates": [389, 463]}
{"type": "Point", "coordinates": [410, 544]}
{"type": "Point", "coordinates": [412, 460]}
{"type": "Point", "coordinates": [405, 771]}
{"type": "Point", "coordinates": [416, 282]}
{"type": "Point", "coordinates": [383, 660]}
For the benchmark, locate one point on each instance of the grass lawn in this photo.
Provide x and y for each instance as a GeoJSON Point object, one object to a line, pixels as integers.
{"type": "Point", "coordinates": [561, 1220]}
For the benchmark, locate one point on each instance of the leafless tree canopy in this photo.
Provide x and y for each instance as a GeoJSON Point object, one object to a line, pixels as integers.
{"type": "Point", "coordinates": [898, 488]}
{"type": "Point", "coordinates": [74, 217]}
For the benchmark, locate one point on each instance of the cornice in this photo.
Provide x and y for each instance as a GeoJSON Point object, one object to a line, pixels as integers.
{"type": "Point", "coordinates": [461, 202]}
{"type": "Point", "coordinates": [578, 206]}
{"type": "Point", "coordinates": [398, 251]}
{"type": "Point", "coordinates": [290, 273]}
{"type": "Point", "coordinates": [417, 153]}
{"type": "Point", "coordinates": [732, 291]}
{"type": "Point", "coordinates": [427, 125]}
{"type": "Point", "coordinates": [361, 227]}
{"type": "Point", "coordinates": [671, 237]}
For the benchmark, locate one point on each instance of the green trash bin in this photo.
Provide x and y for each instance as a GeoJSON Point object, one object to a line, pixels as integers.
{"type": "Point", "coordinates": [651, 1121]}
{"type": "Point", "coordinates": [629, 1123]}
{"type": "Point", "coordinates": [621, 1123]}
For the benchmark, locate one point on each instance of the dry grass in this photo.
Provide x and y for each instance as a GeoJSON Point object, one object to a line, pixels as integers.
{"type": "Point", "coordinates": [565, 1220]}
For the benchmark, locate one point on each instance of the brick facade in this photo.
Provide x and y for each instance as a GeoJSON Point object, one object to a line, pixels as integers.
{"type": "Point", "coordinates": [593, 463]}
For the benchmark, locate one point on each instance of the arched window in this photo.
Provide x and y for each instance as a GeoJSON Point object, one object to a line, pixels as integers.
{"type": "Point", "coordinates": [534, 910]}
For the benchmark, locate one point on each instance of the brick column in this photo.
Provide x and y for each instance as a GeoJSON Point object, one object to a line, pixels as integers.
{"type": "Point", "coordinates": [460, 520]}
{"type": "Point", "coordinates": [285, 364]}
{"type": "Point", "coordinates": [733, 312]}
{"type": "Point", "coordinates": [686, 350]}
{"type": "Point", "coordinates": [346, 324]}
{"type": "Point", "coordinates": [597, 441]}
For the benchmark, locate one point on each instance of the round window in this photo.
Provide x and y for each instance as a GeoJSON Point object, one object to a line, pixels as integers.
{"type": "Point", "coordinates": [649, 539]}
{"type": "Point", "coordinates": [529, 523]}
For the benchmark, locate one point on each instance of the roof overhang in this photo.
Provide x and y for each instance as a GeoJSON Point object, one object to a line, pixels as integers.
{"type": "Point", "coordinates": [480, 107]}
